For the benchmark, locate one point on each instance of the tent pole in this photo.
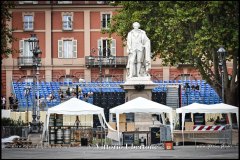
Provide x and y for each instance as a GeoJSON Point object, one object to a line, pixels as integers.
{"type": "Point", "coordinates": [183, 119]}
{"type": "Point", "coordinates": [171, 124]}
{"type": "Point", "coordinates": [117, 121]}
{"type": "Point", "coordinates": [163, 118]}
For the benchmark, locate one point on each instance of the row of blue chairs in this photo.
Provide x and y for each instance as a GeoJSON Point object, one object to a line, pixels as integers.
{"type": "Point", "coordinates": [181, 81]}
{"type": "Point", "coordinates": [205, 94]}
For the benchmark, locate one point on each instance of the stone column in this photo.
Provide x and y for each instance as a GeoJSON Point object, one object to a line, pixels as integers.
{"type": "Point", "coordinates": [48, 42]}
{"type": "Point", "coordinates": [8, 86]}
{"type": "Point", "coordinates": [87, 47]}
{"type": "Point", "coordinates": [166, 73]}
{"type": "Point", "coordinates": [7, 65]}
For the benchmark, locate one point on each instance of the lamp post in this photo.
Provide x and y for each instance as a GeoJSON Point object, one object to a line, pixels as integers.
{"type": "Point", "coordinates": [222, 53]}
{"type": "Point", "coordinates": [109, 57]}
{"type": "Point", "coordinates": [187, 92]}
{"type": "Point", "coordinates": [26, 94]}
{"type": "Point", "coordinates": [34, 48]}
{"type": "Point", "coordinates": [100, 59]}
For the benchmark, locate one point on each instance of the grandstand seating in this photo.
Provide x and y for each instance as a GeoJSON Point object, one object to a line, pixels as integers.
{"type": "Point", "coordinates": [205, 94]}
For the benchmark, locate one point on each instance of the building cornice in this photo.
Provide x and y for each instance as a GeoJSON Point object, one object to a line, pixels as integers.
{"type": "Point", "coordinates": [36, 7]}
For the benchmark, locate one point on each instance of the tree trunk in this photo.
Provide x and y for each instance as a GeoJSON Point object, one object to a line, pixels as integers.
{"type": "Point", "coordinates": [231, 96]}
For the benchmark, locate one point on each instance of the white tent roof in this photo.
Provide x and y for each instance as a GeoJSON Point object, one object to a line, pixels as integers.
{"type": "Point", "coordinates": [75, 106]}
{"type": "Point", "coordinates": [141, 104]}
{"type": "Point", "coordinates": [203, 108]}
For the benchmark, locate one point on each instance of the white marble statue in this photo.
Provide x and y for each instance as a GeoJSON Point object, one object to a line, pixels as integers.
{"type": "Point", "coordinates": [138, 49]}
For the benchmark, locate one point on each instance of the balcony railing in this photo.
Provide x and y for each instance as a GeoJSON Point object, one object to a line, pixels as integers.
{"type": "Point", "coordinates": [116, 61]}
{"type": "Point", "coordinates": [25, 62]}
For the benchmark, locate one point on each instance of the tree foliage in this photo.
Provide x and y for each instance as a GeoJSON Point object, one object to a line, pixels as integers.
{"type": "Point", "coordinates": [11, 122]}
{"type": "Point", "coordinates": [188, 32]}
{"type": "Point", "coordinates": [6, 31]}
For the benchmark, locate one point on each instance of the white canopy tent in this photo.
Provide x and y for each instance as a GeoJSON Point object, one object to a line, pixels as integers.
{"type": "Point", "coordinates": [141, 105]}
{"type": "Point", "coordinates": [203, 108]}
{"type": "Point", "coordinates": [76, 106]}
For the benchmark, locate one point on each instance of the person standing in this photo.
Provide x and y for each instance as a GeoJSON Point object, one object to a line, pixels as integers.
{"type": "Point", "coordinates": [11, 101]}
{"type": "Point", "coordinates": [68, 92]}
{"type": "Point", "coordinates": [3, 102]}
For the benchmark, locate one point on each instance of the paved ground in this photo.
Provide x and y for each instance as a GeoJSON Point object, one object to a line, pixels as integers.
{"type": "Point", "coordinates": [188, 152]}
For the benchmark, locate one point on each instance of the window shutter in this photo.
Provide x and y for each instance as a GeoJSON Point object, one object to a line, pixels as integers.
{"type": "Point", "coordinates": [21, 47]}
{"type": "Point", "coordinates": [60, 49]}
{"type": "Point", "coordinates": [113, 47]}
{"type": "Point", "coordinates": [70, 22]}
{"type": "Point", "coordinates": [74, 48]}
{"type": "Point", "coordinates": [99, 45]}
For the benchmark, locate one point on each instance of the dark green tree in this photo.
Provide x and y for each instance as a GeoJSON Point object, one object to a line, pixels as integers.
{"type": "Point", "coordinates": [6, 32]}
{"type": "Point", "coordinates": [188, 32]}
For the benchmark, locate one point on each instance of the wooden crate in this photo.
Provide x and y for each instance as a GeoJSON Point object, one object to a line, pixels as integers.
{"type": "Point", "coordinates": [131, 126]}
{"type": "Point", "coordinates": [122, 118]}
{"type": "Point", "coordinates": [122, 126]}
{"type": "Point", "coordinates": [209, 123]}
{"type": "Point", "coordinates": [189, 126]}
{"type": "Point", "coordinates": [113, 125]}
{"type": "Point", "coordinates": [77, 135]}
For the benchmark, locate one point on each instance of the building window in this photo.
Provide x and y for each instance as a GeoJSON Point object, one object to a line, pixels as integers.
{"type": "Point", "coordinates": [28, 2]}
{"type": "Point", "coordinates": [108, 47]}
{"type": "Point", "coordinates": [185, 77]}
{"type": "Point", "coordinates": [67, 80]}
{"type": "Point", "coordinates": [64, 2]}
{"type": "Point", "coordinates": [105, 20]}
{"type": "Point", "coordinates": [28, 22]}
{"type": "Point", "coordinates": [25, 49]}
{"type": "Point", "coordinates": [107, 79]}
{"type": "Point", "coordinates": [130, 117]}
{"type": "Point", "coordinates": [100, 2]}
{"type": "Point", "coordinates": [67, 22]}
{"type": "Point", "coordinates": [26, 56]}
{"type": "Point", "coordinates": [67, 48]}
{"type": "Point", "coordinates": [28, 80]}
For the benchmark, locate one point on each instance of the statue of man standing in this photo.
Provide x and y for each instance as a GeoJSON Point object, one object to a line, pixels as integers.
{"type": "Point", "coordinates": [138, 49]}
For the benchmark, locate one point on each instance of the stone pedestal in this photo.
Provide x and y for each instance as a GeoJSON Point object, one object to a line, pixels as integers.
{"type": "Point", "coordinates": [136, 82]}
{"type": "Point", "coordinates": [140, 87]}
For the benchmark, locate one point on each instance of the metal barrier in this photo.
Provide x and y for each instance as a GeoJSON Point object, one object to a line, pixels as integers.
{"type": "Point", "coordinates": [8, 131]}
{"type": "Point", "coordinates": [217, 134]}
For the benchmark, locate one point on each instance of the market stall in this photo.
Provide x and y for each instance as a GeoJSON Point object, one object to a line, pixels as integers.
{"type": "Point", "coordinates": [76, 107]}
{"type": "Point", "coordinates": [141, 105]}
{"type": "Point", "coordinates": [203, 108]}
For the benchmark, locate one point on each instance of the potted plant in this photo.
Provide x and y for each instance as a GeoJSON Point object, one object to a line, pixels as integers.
{"type": "Point", "coordinates": [210, 122]}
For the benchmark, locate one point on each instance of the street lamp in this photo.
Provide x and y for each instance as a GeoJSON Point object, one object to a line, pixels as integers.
{"type": "Point", "coordinates": [100, 58]}
{"type": "Point", "coordinates": [91, 58]}
{"type": "Point", "coordinates": [187, 92]}
{"type": "Point", "coordinates": [222, 53]}
{"type": "Point", "coordinates": [34, 48]}
{"type": "Point", "coordinates": [26, 94]}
